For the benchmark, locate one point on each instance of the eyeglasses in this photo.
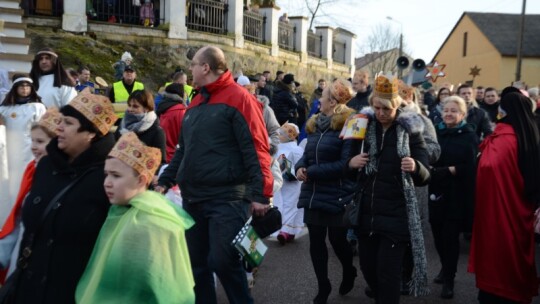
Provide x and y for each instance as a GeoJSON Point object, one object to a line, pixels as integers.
{"type": "Point", "coordinates": [194, 63]}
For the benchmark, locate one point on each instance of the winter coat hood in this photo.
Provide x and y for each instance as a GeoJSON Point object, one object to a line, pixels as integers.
{"type": "Point", "coordinates": [169, 100]}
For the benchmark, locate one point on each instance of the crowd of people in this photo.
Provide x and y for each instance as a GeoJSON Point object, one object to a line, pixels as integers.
{"type": "Point", "coordinates": [87, 175]}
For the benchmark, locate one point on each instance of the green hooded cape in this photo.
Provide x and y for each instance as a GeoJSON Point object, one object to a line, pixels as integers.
{"type": "Point", "coordinates": [140, 256]}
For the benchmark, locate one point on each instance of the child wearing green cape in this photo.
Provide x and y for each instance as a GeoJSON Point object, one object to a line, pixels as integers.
{"type": "Point", "coordinates": [141, 254]}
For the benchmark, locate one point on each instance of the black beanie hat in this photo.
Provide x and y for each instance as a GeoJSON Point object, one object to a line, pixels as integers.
{"type": "Point", "coordinates": [288, 79]}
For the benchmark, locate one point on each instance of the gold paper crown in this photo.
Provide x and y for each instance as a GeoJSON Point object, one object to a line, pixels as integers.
{"type": "Point", "coordinates": [97, 109]}
{"type": "Point", "coordinates": [341, 92]}
{"type": "Point", "coordinates": [405, 91]}
{"type": "Point", "coordinates": [386, 86]}
{"type": "Point", "coordinates": [129, 149]}
{"type": "Point", "coordinates": [50, 120]}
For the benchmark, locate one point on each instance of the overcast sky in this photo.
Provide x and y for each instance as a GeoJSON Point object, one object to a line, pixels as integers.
{"type": "Point", "coordinates": [426, 24]}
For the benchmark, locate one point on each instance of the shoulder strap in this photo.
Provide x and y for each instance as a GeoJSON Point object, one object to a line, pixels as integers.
{"type": "Point", "coordinates": [56, 198]}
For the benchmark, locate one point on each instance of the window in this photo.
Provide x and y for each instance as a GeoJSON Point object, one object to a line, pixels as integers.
{"type": "Point", "coordinates": [465, 44]}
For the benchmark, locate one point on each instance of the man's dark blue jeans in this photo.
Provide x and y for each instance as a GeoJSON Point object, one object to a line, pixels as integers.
{"type": "Point", "coordinates": [217, 222]}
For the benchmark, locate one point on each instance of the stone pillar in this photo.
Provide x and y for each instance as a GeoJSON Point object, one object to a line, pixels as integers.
{"type": "Point", "coordinates": [235, 22]}
{"type": "Point", "coordinates": [349, 39]}
{"type": "Point", "coordinates": [301, 24]}
{"type": "Point", "coordinates": [327, 48]}
{"type": "Point", "coordinates": [272, 28]}
{"type": "Point", "coordinates": [74, 18]}
{"type": "Point", "coordinates": [175, 15]}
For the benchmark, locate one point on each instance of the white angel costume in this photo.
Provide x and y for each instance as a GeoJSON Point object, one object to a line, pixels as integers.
{"type": "Point", "coordinates": [15, 150]}
{"type": "Point", "coordinates": [286, 199]}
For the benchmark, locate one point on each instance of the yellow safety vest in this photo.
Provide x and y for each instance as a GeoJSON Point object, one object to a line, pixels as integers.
{"type": "Point", "coordinates": [187, 90]}
{"type": "Point", "coordinates": [121, 96]}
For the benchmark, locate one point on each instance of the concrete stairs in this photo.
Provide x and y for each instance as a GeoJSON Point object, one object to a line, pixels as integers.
{"type": "Point", "coordinates": [14, 45]}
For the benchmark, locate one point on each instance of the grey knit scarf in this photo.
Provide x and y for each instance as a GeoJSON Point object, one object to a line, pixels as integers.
{"type": "Point", "coordinates": [323, 122]}
{"type": "Point", "coordinates": [137, 122]}
{"type": "Point", "coordinates": [419, 282]}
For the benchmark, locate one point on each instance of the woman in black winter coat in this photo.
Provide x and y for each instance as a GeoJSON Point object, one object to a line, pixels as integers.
{"type": "Point", "coordinates": [284, 102]}
{"type": "Point", "coordinates": [395, 159]}
{"type": "Point", "coordinates": [328, 186]}
{"type": "Point", "coordinates": [452, 187]}
{"type": "Point", "coordinates": [141, 119]}
{"type": "Point", "coordinates": [55, 249]}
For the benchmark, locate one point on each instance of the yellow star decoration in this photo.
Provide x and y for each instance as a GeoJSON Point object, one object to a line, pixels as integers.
{"type": "Point", "coordinates": [475, 71]}
{"type": "Point", "coordinates": [435, 70]}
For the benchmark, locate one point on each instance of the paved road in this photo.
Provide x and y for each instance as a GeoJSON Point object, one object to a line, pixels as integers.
{"type": "Point", "coordinates": [287, 277]}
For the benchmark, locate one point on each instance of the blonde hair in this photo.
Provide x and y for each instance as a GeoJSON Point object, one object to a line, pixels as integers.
{"type": "Point", "coordinates": [462, 106]}
{"type": "Point", "coordinates": [389, 103]}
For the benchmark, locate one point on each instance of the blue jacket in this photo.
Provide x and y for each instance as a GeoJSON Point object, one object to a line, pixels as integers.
{"type": "Point", "coordinates": [330, 184]}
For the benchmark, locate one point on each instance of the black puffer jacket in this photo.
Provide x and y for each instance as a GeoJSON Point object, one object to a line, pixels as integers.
{"type": "Point", "coordinates": [330, 184]}
{"type": "Point", "coordinates": [384, 209]}
{"type": "Point", "coordinates": [284, 104]}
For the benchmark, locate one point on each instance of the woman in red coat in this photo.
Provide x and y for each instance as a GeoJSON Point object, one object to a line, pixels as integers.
{"type": "Point", "coordinates": [507, 193]}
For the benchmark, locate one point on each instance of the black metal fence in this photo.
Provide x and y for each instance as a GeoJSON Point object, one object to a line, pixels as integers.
{"type": "Point", "coordinates": [135, 12]}
{"type": "Point", "coordinates": [254, 24]}
{"type": "Point", "coordinates": [339, 51]}
{"type": "Point", "coordinates": [54, 8]}
{"type": "Point", "coordinates": [286, 36]}
{"type": "Point", "coordinates": [314, 44]}
{"type": "Point", "coordinates": [207, 16]}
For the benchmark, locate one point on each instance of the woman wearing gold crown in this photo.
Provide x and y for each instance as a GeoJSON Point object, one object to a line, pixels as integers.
{"type": "Point", "coordinates": [141, 254]}
{"type": "Point", "coordinates": [395, 160]}
{"type": "Point", "coordinates": [66, 206]}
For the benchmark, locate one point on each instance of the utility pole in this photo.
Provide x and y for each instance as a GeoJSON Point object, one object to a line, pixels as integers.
{"type": "Point", "coordinates": [400, 71]}
{"type": "Point", "coordinates": [520, 41]}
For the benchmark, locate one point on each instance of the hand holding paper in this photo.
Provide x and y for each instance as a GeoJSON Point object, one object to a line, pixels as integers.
{"type": "Point", "coordinates": [359, 161]}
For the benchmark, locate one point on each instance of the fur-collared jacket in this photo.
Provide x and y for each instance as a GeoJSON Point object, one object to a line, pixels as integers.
{"type": "Point", "coordinates": [381, 190]}
{"type": "Point", "coordinates": [329, 184]}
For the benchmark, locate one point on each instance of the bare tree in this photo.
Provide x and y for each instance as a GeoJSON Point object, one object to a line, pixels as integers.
{"type": "Point", "coordinates": [314, 7]}
{"type": "Point", "coordinates": [381, 51]}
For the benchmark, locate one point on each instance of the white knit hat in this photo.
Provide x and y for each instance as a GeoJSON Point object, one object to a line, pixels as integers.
{"type": "Point", "coordinates": [127, 56]}
{"type": "Point", "coordinates": [243, 80]}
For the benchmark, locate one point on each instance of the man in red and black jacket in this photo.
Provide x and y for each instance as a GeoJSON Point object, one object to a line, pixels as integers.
{"type": "Point", "coordinates": [222, 166]}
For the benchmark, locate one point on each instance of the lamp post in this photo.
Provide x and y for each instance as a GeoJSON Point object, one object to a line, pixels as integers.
{"type": "Point", "coordinates": [520, 41]}
{"type": "Point", "coordinates": [400, 71]}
